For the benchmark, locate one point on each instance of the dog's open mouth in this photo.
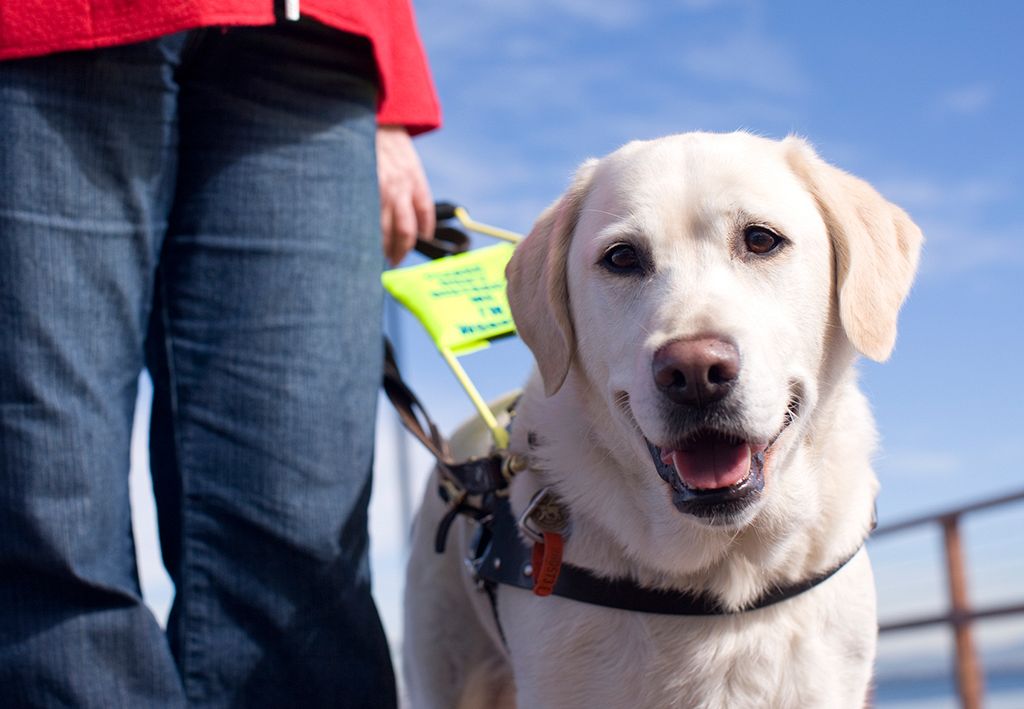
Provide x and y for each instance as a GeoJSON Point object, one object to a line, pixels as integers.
{"type": "Point", "coordinates": [709, 460]}
{"type": "Point", "coordinates": [714, 474]}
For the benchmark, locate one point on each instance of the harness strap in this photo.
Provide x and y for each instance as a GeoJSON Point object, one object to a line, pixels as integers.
{"type": "Point", "coordinates": [476, 477]}
{"type": "Point", "coordinates": [504, 559]}
{"type": "Point", "coordinates": [414, 417]}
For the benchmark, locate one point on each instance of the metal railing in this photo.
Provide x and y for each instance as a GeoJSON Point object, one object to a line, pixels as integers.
{"type": "Point", "coordinates": [961, 615]}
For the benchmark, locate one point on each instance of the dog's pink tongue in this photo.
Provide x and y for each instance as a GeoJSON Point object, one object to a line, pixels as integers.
{"type": "Point", "coordinates": [710, 464]}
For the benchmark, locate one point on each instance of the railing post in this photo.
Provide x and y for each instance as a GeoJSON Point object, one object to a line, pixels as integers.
{"type": "Point", "coordinates": [968, 674]}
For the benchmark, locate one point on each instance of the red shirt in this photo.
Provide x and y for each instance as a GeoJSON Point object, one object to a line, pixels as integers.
{"type": "Point", "coordinates": [35, 27]}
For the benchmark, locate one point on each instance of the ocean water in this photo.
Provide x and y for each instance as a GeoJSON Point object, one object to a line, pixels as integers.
{"type": "Point", "coordinates": [1003, 690]}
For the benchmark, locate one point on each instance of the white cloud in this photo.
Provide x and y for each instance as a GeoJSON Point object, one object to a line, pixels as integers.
{"type": "Point", "coordinates": [954, 247]}
{"type": "Point", "coordinates": [923, 463]}
{"type": "Point", "coordinates": [461, 26]}
{"type": "Point", "coordinates": [495, 183]}
{"type": "Point", "coordinates": [607, 13]}
{"type": "Point", "coordinates": [749, 59]}
{"type": "Point", "coordinates": [703, 5]}
{"type": "Point", "coordinates": [618, 13]}
{"type": "Point", "coordinates": [968, 100]}
{"type": "Point", "coordinates": [929, 193]}
{"type": "Point", "coordinates": [958, 217]}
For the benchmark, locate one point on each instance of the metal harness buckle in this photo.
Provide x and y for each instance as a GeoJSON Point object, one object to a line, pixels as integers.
{"type": "Point", "coordinates": [544, 513]}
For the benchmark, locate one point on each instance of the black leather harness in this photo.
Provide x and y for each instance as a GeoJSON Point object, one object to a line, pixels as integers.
{"type": "Point", "coordinates": [501, 557]}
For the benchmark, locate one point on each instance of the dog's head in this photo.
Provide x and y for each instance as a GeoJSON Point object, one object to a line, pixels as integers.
{"type": "Point", "coordinates": [707, 290]}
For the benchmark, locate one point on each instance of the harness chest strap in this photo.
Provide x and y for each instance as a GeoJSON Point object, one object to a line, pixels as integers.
{"type": "Point", "coordinates": [502, 558]}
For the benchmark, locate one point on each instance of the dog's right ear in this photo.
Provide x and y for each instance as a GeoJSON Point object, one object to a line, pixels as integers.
{"type": "Point", "coordinates": [538, 288]}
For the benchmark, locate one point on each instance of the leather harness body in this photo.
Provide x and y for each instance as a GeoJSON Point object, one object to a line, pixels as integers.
{"type": "Point", "coordinates": [503, 558]}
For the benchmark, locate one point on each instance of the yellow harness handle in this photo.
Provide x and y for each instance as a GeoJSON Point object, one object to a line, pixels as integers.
{"type": "Point", "coordinates": [460, 300]}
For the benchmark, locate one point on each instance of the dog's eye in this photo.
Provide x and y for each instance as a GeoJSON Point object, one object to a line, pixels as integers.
{"type": "Point", "coordinates": [760, 241]}
{"type": "Point", "coordinates": [622, 258]}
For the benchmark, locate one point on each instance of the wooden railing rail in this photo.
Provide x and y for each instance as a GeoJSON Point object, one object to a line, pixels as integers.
{"type": "Point", "coordinates": [969, 676]}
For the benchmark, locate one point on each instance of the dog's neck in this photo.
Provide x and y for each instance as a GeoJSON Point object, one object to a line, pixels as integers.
{"type": "Point", "coordinates": [612, 498]}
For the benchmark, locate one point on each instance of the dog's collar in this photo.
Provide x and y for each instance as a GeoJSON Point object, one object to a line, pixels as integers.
{"type": "Point", "coordinates": [500, 557]}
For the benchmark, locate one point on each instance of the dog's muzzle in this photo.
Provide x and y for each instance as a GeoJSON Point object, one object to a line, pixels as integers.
{"type": "Point", "coordinates": [714, 475]}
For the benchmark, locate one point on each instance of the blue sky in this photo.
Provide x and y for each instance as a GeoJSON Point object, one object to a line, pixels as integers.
{"type": "Point", "coordinates": [924, 100]}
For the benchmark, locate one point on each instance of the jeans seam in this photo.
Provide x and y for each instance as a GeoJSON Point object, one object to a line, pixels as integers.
{"type": "Point", "coordinates": [186, 589]}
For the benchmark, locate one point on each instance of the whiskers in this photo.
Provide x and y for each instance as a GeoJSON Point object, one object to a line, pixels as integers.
{"type": "Point", "coordinates": [613, 215]}
{"type": "Point", "coordinates": [796, 403]}
{"type": "Point", "coordinates": [621, 400]}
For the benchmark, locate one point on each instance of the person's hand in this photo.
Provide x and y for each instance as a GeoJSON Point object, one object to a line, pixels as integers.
{"type": "Point", "coordinates": [406, 204]}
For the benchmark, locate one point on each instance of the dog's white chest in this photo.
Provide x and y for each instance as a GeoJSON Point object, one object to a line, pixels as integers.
{"type": "Point", "coordinates": [800, 654]}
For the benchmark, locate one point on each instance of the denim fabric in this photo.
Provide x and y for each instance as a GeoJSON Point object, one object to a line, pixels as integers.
{"type": "Point", "coordinates": [204, 204]}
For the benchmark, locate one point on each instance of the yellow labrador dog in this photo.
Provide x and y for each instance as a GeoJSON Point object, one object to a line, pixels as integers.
{"type": "Point", "coordinates": [695, 305]}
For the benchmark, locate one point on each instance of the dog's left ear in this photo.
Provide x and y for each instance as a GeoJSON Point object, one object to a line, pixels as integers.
{"type": "Point", "coordinates": [538, 287]}
{"type": "Point", "coordinates": [875, 244]}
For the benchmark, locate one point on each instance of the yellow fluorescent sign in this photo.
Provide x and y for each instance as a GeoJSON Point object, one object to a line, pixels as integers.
{"type": "Point", "coordinates": [459, 299]}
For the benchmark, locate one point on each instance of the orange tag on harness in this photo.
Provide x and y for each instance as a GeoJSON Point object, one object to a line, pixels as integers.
{"type": "Point", "coordinates": [547, 562]}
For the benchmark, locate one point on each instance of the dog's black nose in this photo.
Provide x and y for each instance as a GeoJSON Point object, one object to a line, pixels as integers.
{"type": "Point", "coordinates": [696, 372]}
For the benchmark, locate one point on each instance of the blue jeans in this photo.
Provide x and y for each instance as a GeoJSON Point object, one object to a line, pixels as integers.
{"type": "Point", "coordinates": [205, 205]}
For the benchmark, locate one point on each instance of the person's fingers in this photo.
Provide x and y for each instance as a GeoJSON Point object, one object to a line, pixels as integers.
{"type": "Point", "coordinates": [407, 208]}
{"type": "Point", "coordinates": [404, 229]}
{"type": "Point", "coordinates": [426, 218]}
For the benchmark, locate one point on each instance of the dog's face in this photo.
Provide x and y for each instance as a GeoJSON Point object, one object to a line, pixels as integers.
{"type": "Point", "coordinates": [700, 287]}
{"type": "Point", "coordinates": [700, 299]}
